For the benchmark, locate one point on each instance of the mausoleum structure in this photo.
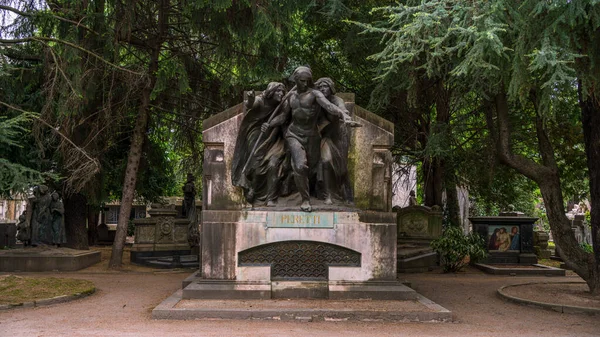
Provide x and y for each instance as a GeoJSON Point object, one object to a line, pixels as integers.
{"type": "Point", "coordinates": [298, 207]}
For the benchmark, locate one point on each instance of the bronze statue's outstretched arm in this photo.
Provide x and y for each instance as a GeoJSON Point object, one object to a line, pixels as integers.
{"type": "Point", "coordinates": [331, 108]}
{"type": "Point", "coordinates": [281, 118]}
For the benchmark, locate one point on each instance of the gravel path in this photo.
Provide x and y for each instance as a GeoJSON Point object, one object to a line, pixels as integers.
{"type": "Point", "coordinates": [123, 303]}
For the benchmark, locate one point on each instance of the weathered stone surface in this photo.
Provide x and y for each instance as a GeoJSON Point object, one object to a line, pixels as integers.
{"type": "Point", "coordinates": [369, 160]}
{"type": "Point", "coordinates": [223, 241]}
{"type": "Point", "coordinates": [46, 258]}
{"type": "Point", "coordinates": [419, 309]}
{"type": "Point", "coordinates": [419, 222]}
{"type": "Point", "coordinates": [219, 136]}
{"type": "Point", "coordinates": [160, 235]}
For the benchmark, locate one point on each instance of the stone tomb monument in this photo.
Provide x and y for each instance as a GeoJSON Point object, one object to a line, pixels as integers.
{"type": "Point", "coordinates": [41, 230]}
{"type": "Point", "coordinates": [297, 199]}
{"type": "Point", "coordinates": [509, 237]}
{"type": "Point", "coordinates": [417, 227]}
{"type": "Point", "coordinates": [164, 240]}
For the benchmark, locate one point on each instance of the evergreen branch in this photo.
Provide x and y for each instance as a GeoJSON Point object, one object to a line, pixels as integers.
{"type": "Point", "coordinates": [28, 14]}
{"type": "Point", "coordinates": [55, 129]}
{"type": "Point", "coordinates": [50, 39]}
{"type": "Point", "coordinates": [60, 69]}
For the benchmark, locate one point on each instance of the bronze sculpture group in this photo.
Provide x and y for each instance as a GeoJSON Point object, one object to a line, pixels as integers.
{"type": "Point", "coordinates": [294, 142]}
{"type": "Point", "coordinates": [42, 222]}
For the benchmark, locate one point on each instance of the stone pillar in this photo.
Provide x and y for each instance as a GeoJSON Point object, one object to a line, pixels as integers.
{"type": "Point", "coordinates": [540, 244]}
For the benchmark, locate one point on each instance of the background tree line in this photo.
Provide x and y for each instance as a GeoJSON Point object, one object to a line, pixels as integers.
{"type": "Point", "coordinates": [107, 97]}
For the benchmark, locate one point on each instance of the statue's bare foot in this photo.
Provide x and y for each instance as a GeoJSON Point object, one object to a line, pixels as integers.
{"type": "Point", "coordinates": [306, 206]}
{"type": "Point", "coordinates": [271, 203]}
{"type": "Point", "coordinates": [328, 201]}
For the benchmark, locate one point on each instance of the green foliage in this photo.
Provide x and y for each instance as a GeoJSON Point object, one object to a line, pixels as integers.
{"type": "Point", "coordinates": [454, 248]}
{"type": "Point", "coordinates": [587, 247]}
{"type": "Point", "coordinates": [15, 177]}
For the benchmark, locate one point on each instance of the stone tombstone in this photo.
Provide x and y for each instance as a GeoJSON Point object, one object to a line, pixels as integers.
{"type": "Point", "coordinates": [417, 227]}
{"type": "Point", "coordinates": [8, 234]}
{"type": "Point", "coordinates": [581, 229]}
{"type": "Point", "coordinates": [419, 222]}
{"type": "Point", "coordinates": [540, 244]}
{"type": "Point", "coordinates": [161, 234]}
{"type": "Point", "coordinates": [508, 237]}
{"type": "Point", "coordinates": [316, 240]}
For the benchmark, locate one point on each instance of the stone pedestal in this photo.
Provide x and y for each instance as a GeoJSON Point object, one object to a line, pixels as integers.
{"type": "Point", "coordinates": [286, 254]}
{"type": "Point", "coordinates": [46, 258]}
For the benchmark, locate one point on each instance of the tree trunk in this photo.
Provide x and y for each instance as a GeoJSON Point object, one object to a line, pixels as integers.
{"type": "Point", "coordinates": [447, 178]}
{"type": "Point", "coordinates": [75, 221]}
{"type": "Point", "coordinates": [133, 163]}
{"type": "Point", "coordinates": [137, 143]}
{"type": "Point", "coordinates": [546, 175]}
{"type": "Point", "coordinates": [590, 118]}
{"type": "Point", "coordinates": [452, 206]}
{"type": "Point", "coordinates": [92, 220]}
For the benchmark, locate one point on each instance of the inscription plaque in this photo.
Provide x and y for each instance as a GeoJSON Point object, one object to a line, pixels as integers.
{"type": "Point", "coordinates": [300, 220]}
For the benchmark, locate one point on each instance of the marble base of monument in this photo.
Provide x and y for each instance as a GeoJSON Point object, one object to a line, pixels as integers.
{"type": "Point", "coordinates": [290, 254]}
{"type": "Point", "coordinates": [166, 259]}
{"type": "Point", "coordinates": [197, 288]}
{"type": "Point", "coordinates": [46, 258]}
{"type": "Point", "coordinates": [419, 309]}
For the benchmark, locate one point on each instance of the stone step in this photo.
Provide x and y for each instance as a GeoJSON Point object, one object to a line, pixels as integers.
{"type": "Point", "coordinates": [224, 289]}
{"type": "Point", "coordinates": [333, 290]}
{"type": "Point", "coordinates": [419, 309]}
{"type": "Point", "coordinates": [417, 264]}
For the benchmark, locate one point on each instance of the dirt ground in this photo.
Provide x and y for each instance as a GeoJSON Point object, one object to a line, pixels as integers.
{"type": "Point", "coordinates": [124, 300]}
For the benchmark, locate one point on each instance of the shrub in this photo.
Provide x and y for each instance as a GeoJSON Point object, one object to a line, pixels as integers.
{"type": "Point", "coordinates": [587, 247]}
{"type": "Point", "coordinates": [454, 247]}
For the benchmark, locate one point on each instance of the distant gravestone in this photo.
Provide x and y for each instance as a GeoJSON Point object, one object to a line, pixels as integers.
{"type": "Point", "coordinates": [8, 233]}
{"type": "Point", "coordinates": [508, 237]}
{"type": "Point", "coordinates": [162, 234]}
{"type": "Point", "coordinates": [540, 244]}
{"type": "Point", "coordinates": [417, 227]}
{"type": "Point", "coordinates": [419, 222]}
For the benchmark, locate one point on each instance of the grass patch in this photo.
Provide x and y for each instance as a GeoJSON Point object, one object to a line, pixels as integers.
{"type": "Point", "coordinates": [549, 263]}
{"type": "Point", "coordinates": [17, 289]}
